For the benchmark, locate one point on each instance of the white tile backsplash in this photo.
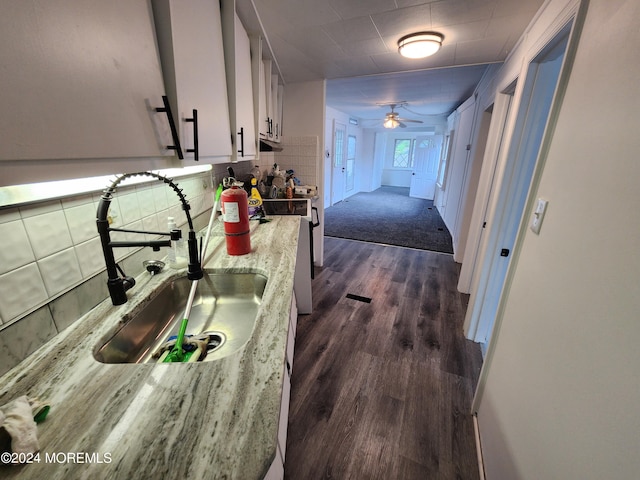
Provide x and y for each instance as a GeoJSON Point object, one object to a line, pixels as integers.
{"type": "Point", "coordinates": [150, 224]}
{"type": "Point", "coordinates": [81, 222]}
{"type": "Point", "coordinates": [90, 257]}
{"type": "Point", "coordinates": [40, 208]}
{"type": "Point", "coordinates": [48, 233]}
{"type": "Point", "coordinates": [77, 201]}
{"type": "Point", "coordinates": [178, 214]}
{"type": "Point", "coordinates": [160, 197]}
{"type": "Point", "coordinates": [301, 154]}
{"type": "Point", "coordinates": [10, 215]}
{"type": "Point", "coordinates": [113, 214]}
{"type": "Point", "coordinates": [120, 252]}
{"type": "Point", "coordinates": [60, 271]}
{"type": "Point", "coordinates": [16, 250]}
{"type": "Point", "coordinates": [23, 338]}
{"type": "Point", "coordinates": [129, 208]}
{"type": "Point", "coordinates": [146, 201]}
{"type": "Point", "coordinates": [22, 289]}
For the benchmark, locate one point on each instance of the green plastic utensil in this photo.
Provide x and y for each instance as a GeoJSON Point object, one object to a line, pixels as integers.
{"type": "Point", "coordinates": [176, 354]}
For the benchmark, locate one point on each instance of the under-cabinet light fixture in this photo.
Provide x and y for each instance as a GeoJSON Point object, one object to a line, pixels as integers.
{"type": "Point", "coordinates": [420, 45]}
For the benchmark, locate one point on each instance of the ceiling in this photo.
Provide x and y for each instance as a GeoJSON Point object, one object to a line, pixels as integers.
{"type": "Point", "coordinates": [353, 44]}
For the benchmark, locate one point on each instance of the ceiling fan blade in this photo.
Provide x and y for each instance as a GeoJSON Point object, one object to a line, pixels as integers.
{"type": "Point", "coordinates": [409, 120]}
{"type": "Point", "coordinates": [401, 125]}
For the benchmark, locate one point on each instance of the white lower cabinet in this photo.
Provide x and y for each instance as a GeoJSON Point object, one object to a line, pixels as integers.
{"type": "Point", "coordinates": [276, 471]}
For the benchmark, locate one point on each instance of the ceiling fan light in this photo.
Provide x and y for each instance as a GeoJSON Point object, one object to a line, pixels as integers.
{"type": "Point", "coordinates": [390, 122]}
{"type": "Point", "coordinates": [420, 45]}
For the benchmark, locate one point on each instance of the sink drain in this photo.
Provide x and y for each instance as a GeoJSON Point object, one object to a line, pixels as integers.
{"type": "Point", "coordinates": [216, 340]}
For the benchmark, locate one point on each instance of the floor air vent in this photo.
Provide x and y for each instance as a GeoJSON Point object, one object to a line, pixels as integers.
{"type": "Point", "coordinates": [358, 298]}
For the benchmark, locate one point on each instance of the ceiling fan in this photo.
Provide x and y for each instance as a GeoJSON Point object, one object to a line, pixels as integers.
{"type": "Point", "coordinates": [393, 120]}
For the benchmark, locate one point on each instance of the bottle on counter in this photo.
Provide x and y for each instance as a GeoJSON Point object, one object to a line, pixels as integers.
{"type": "Point", "coordinates": [177, 256]}
{"type": "Point", "coordinates": [255, 200]}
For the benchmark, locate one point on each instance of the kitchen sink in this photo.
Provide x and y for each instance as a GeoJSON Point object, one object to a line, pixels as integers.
{"type": "Point", "coordinates": [225, 307]}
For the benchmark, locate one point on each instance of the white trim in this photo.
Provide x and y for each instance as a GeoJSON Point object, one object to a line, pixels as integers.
{"type": "Point", "coordinates": [476, 431]}
{"type": "Point", "coordinates": [486, 187]}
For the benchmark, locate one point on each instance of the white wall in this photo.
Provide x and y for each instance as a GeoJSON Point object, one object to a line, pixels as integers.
{"type": "Point", "coordinates": [303, 115]}
{"type": "Point", "coordinates": [561, 384]}
{"type": "Point", "coordinates": [303, 108]}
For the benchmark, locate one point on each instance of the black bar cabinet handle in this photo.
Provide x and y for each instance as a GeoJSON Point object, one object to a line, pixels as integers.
{"type": "Point", "coordinates": [195, 150]}
{"type": "Point", "coordinates": [174, 132]}
{"type": "Point", "coordinates": [241, 133]}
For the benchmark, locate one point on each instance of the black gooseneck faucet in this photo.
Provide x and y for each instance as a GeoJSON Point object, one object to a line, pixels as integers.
{"type": "Point", "coordinates": [118, 282]}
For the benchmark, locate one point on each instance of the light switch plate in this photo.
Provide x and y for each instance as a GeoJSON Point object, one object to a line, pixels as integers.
{"type": "Point", "coordinates": [538, 215]}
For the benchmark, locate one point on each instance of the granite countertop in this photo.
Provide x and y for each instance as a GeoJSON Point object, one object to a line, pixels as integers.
{"type": "Point", "coordinates": [208, 420]}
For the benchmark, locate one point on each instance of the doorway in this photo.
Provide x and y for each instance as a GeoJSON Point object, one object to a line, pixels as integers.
{"type": "Point", "coordinates": [500, 111]}
{"type": "Point", "coordinates": [524, 146]}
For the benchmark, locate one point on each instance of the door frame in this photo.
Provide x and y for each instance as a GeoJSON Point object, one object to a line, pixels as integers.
{"type": "Point", "coordinates": [496, 146]}
{"type": "Point", "coordinates": [530, 124]}
{"type": "Point", "coordinates": [571, 19]}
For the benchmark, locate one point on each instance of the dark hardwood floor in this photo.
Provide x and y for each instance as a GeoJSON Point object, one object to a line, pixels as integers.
{"type": "Point", "coordinates": [383, 390]}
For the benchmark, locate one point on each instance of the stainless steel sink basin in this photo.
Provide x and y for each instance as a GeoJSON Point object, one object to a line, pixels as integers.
{"type": "Point", "coordinates": [226, 305]}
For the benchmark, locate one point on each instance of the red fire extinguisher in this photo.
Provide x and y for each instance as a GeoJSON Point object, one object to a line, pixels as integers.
{"type": "Point", "coordinates": [235, 211]}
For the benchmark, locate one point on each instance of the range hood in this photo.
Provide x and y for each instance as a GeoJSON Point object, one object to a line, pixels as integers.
{"type": "Point", "coordinates": [269, 146]}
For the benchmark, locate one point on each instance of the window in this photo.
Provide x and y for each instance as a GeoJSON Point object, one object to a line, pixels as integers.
{"type": "Point", "coordinates": [403, 153]}
{"type": "Point", "coordinates": [338, 153]}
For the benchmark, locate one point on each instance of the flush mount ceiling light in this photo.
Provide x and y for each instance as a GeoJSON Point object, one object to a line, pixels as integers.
{"type": "Point", "coordinates": [420, 45]}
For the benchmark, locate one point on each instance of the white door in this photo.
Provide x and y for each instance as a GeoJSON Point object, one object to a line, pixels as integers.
{"type": "Point", "coordinates": [338, 170]}
{"type": "Point", "coordinates": [531, 122]}
{"type": "Point", "coordinates": [425, 166]}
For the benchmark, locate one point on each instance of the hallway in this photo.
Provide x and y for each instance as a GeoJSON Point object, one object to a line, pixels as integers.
{"type": "Point", "coordinates": [383, 389]}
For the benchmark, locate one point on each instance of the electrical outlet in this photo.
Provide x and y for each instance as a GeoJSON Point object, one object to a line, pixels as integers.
{"type": "Point", "coordinates": [538, 215]}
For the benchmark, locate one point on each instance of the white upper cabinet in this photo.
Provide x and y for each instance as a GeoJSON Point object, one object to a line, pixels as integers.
{"type": "Point", "coordinates": [267, 64]}
{"type": "Point", "coordinates": [237, 50]}
{"type": "Point", "coordinates": [279, 112]}
{"type": "Point", "coordinates": [191, 52]}
{"type": "Point", "coordinates": [275, 108]}
{"type": "Point", "coordinates": [259, 89]}
{"type": "Point", "coordinates": [80, 80]}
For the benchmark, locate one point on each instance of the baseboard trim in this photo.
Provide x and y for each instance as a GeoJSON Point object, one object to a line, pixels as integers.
{"type": "Point", "coordinates": [476, 431]}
